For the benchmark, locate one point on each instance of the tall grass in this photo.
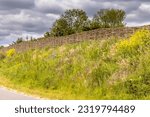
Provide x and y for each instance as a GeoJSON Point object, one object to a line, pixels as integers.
{"type": "Point", "coordinates": [106, 69]}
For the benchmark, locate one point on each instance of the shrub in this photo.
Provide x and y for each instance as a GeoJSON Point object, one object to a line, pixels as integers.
{"type": "Point", "coordinates": [10, 52]}
{"type": "Point", "coordinates": [110, 18]}
{"type": "Point", "coordinates": [138, 84]}
{"type": "Point", "coordinates": [137, 89]}
{"type": "Point", "coordinates": [135, 44]}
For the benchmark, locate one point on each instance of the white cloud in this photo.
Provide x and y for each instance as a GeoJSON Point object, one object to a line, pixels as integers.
{"type": "Point", "coordinates": [145, 7]}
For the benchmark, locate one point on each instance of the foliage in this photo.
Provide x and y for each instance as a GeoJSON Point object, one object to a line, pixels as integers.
{"type": "Point", "coordinates": [47, 34]}
{"type": "Point", "coordinates": [138, 84]}
{"type": "Point", "coordinates": [94, 69]}
{"type": "Point", "coordinates": [76, 20]}
{"type": "Point", "coordinates": [135, 45]}
{"type": "Point", "coordinates": [91, 25]}
{"type": "Point", "coordinates": [109, 18]}
{"type": "Point", "coordinates": [19, 40]}
{"type": "Point", "coordinates": [70, 22]}
{"type": "Point", "coordinates": [101, 74]}
{"type": "Point", "coordinates": [61, 28]}
{"type": "Point", "coordinates": [10, 52]}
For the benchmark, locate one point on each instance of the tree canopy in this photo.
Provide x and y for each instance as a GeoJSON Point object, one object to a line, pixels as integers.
{"type": "Point", "coordinates": [76, 20]}
{"type": "Point", "coordinates": [109, 18]}
{"type": "Point", "coordinates": [70, 22]}
{"type": "Point", "coordinates": [61, 28]}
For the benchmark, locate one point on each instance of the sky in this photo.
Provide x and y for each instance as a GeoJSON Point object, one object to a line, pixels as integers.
{"type": "Point", "coordinates": [21, 18]}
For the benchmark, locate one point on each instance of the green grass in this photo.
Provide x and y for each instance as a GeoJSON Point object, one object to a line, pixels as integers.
{"type": "Point", "coordinates": [98, 69]}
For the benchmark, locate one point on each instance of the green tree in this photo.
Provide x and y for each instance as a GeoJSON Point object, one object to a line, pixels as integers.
{"type": "Point", "coordinates": [76, 19]}
{"type": "Point", "coordinates": [19, 40]}
{"type": "Point", "coordinates": [60, 28]}
{"type": "Point", "coordinates": [109, 18]}
{"type": "Point", "coordinates": [47, 34]}
{"type": "Point", "coordinates": [72, 21]}
{"type": "Point", "coordinates": [87, 25]}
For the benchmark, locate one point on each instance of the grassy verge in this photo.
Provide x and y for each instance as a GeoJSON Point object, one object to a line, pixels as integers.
{"type": "Point", "coordinates": [98, 69]}
{"type": "Point", "coordinates": [37, 92]}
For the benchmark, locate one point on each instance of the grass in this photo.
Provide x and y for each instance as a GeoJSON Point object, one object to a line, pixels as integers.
{"type": "Point", "coordinates": [97, 69]}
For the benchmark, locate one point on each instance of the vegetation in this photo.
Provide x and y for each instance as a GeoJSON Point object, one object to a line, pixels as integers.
{"type": "Point", "coordinates": [97, 69]}
{"type": "Point", "coordinates": [60, 28]}
{"type": "Point", "coordinates": [109, 18]}
{"type": "Point", "coordinates": [2, 56]}
{"type": "Point", "coordinates": [1, 47]}
{"type": "Point", "coordinates": [76, 20]}
{"type": "Point", "coordinates": [19, 40]}
{"type": "Point", "coordinates": [72, 21]}
{"type": "Point", "coordinates": [10, 52]}
{"type": "Point", "coordinates": [27, 39]}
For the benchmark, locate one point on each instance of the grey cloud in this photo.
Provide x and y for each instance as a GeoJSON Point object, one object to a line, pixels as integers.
{"type": "Point", "coordinates": [27, 21]}
{"type": "Point", "coordinates": [45, 6]}
{"type": "Point", "coordinates": [52, 9]}
{"type": "Point", "coordinates": [18, 17]}
{"type": "Point", "coordinates": [97, 5]}
{"type": "Point", "coordinates": [140, 17]}
{"type": "Point", "coordinates": [16, 4]}
{"type": "Point", "coordinates": [3, 33]}
{"type": "Point", "coordinates": [120, 0]}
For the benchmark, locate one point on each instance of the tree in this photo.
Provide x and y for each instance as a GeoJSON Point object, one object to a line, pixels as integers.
{"type": "Point", "coordinates": [109, 18]}
{"type": "Point", "coordinates": [72, 21]}
{"type": "Point", "coordinates": [19, 40]}
{"type": "Point", "coordinates": [60, 28]}
{"type": "Point", "coordinates": [75, 18]}
{"type": "Point", "coordinates": [87, 25]}
{"type": "Point", "coordinates": [47, 34]}
{"type": "Point", "coordinates": [95, 25]}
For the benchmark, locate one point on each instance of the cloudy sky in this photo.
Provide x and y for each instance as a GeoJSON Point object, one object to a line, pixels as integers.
{"type": "Point", "coordinates": [34, 17]}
